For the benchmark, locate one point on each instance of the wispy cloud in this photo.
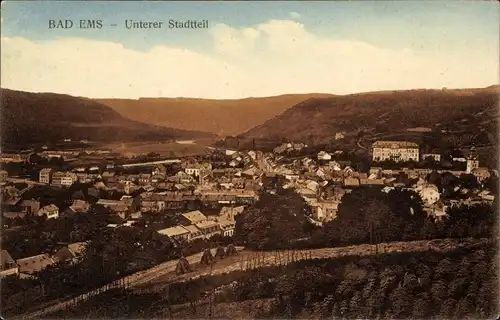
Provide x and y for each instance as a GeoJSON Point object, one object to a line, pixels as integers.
{"type": "Point", "coordinates": [275, 57]}
{"type": "Point", "coordinates": [294, 15]}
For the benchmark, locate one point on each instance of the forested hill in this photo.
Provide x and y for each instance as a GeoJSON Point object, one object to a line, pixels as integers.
{"type": "Point", "coordinates": [44, 117]}
{"type": "Point", "coordinates": [318, 119]}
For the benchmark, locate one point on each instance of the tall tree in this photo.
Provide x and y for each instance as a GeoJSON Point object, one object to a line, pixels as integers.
{"type": "Point", "coordinates": [273, 222]}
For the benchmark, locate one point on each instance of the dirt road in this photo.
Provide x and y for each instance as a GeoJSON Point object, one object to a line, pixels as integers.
{"type": "Point", "coordinates": [134, 280]}
{"type": "Point", "coordinates": [250, 259]}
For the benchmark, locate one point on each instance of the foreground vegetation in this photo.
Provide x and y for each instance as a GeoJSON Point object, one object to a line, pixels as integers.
{"type": "Point", "coordinates": [366, 215]}
{"type": "Point", "coordinates": [109, 255]}
{"type": "Point", "coordinates": [462, 283]}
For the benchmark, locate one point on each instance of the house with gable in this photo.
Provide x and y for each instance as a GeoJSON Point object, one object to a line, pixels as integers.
{"type": "Point", "coordinates": [226, 226]}
{"type": "Point", "coordinates": [8, 265]}
{"type": "Point", "coordinates": [29, 266]}
{"type": "Point", "coordinates": [209, 228]}
{"type": "Point", "coordinates": [30, 206]}
{"type": "Point", "coordinates": [192, 217]}
{"type": "Point", "coordinates": [178, 233]}
{"type": "Point", "coordinates": [71, 252]}
{"type": "Point", "coordinates": [51, 211]}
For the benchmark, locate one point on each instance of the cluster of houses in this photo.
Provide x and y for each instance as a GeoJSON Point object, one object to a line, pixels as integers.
{"type": "Point", "coordinates": [287, 147]}
{"type": "Point", "coordinates": [153, 192]}
{"type": "Point", "coordinates": [195, 225]}
{"type": "Point", "coordinates": [28, 267]}
{"type": "Point", "coordinates": [57, 178]}
{"type": "Point", "coordinates": [225, 184]}
{"type": "Point", "coordinates": [21, 208]}
{"type": "Point", "coordinates": [323, 181]}
{"type": "Point", "coordinates": [238, 181]}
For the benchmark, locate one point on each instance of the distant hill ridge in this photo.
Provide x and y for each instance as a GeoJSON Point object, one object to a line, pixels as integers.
{"type": "Point", "coordinates": [30, 117]}
{"type": "Point", "coordinates": [46, 117]}
{"type": "Point", "coordinates": [381, 111]}
{"type": "Point", "coordinates": [223, 117]}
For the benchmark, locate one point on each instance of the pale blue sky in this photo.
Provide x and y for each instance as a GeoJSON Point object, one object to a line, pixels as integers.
{"type": "Point", "coordinates": [468, 28]}
{"type": "Point", "coordinates": [422, 25]}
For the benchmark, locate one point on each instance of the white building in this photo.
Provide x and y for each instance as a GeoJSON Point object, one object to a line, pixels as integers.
{"type": "Point", "coordinates": [435, 156]}
{"type": "Point", "coordinates": [45, 175]}
{"type": "Point", "coordinates": [176, 233]}
{"type": "Point", "coordinates": [51, 211]}
{"type": "Point", "coordinates": [325, 210]}
{"type": "Point", "coordinates": [323, 155]}
{"type": "Point", "coordinates": [196, 169]}
{"type": "Point", "coordinates": [64, 178]}
{"type": "Point", "coordinates": [472, 163]}
{"type": "Point", "coordinates": [395, 151]}
{"type": "Point", "coordinates": [227, 227]}
{"type": "Point", "coordinates": [339, 135]}
{"type": "Point", "coordinates": [429, 194]}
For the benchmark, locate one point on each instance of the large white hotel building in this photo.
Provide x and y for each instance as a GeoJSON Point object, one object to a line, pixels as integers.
{"type": "Point", "coordinates": [397, 151]}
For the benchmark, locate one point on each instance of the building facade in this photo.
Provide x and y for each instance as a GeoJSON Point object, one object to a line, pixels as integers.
{"type": "Point", "coordinates": [472, 163]}
{"type": "Point", "coordinates": [64, 178]}
{"type": "Point", "coordinates": [429, 194]}
{"type": "Point", "coordinates": [51, 211]}
{"type": "Point", "coordinates": [8, 265]}
{"type": "Point", "coordinates": [3, 176]}
{"type": "Point", "coordinates": [398, 151]}
{"type": "Point", "coordinates": [45, 175]}
{"type": "Point", "coordinates": [435, 156]}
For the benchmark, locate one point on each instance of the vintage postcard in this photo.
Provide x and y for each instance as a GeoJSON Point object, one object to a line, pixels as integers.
{"type": "Point", "coordinates": [249, 160]}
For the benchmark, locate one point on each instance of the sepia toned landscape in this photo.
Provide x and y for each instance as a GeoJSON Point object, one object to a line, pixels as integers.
{"type": "Point", "coordinates": [263, 167]}
{"type": "Point", "coordinates": [222, 117]}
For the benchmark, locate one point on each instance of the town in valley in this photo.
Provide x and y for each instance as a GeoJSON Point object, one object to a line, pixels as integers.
{"type": "Point", "coordinates": [311, 160]}
{"type": "Point", "coordinates": [191, 204]}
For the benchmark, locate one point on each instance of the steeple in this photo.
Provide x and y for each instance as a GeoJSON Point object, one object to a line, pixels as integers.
{"type": "Point", "coordinates": [473, 154]}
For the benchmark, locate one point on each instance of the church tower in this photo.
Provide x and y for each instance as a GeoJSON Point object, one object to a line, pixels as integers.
{"type": "Point", "coordinates": [472, 160]}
